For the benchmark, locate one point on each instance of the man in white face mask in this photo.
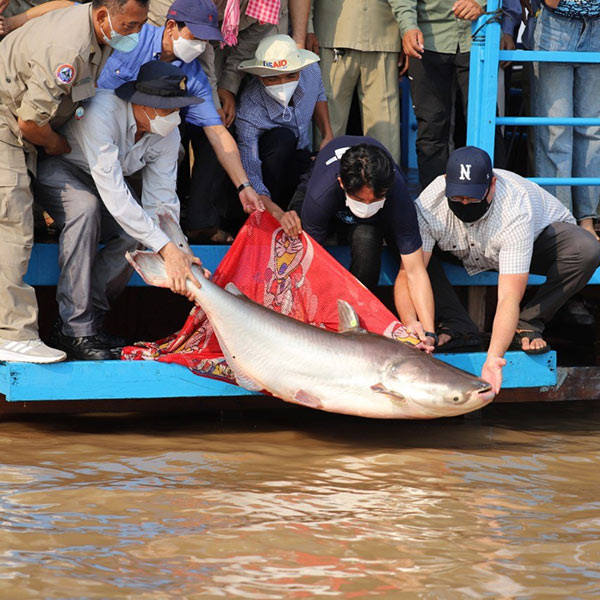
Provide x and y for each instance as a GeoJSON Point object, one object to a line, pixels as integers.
{"type": "Point", "coordinates": [357, 192]}
{"type": "Point", "coordinates": [189, 26]}
{"type": "Point", "coordinates": [119, 133]}
{"type": "Point", "coordinates": [274, 116]}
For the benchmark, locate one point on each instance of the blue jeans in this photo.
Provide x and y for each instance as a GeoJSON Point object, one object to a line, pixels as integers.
{"type": "Point", "coordinates": [568, 90]}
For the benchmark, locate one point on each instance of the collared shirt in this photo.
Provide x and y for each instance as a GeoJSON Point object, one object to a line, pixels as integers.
{"type": "Point", "coordinates": [122, 67]}
{"type": "Point", "coordinates": [221, 64]}
{"type": "Point", "coordinates": [366, 25]}
{"type": "Point", "coordinates": [103, 145]}
{"type": "Point", "coordinates": [258, 112]}
{"type": "Point", "coordinates": [502, 240]}
{"type": "Point", "coordinates": [442, 31]}
{"type": "Point", "coordinates": [49, 65]}
{"type": "Point", "coordinates": [325, 200]}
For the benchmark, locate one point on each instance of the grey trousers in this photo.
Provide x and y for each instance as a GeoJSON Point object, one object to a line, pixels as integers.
{"type": "Point", "coordinates": [90, 278]}
{"type": "Point", "coordinates": [564, 253]}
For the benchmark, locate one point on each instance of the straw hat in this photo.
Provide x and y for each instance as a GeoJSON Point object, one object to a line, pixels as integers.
{"type": "Point", "coordinates": [278, 54]}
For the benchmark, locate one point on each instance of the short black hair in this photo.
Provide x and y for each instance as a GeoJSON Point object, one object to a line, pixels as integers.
{"type": "Point", "coordinates": [367, 164]}
{"type": "Point", "coordinates": [115, 5]}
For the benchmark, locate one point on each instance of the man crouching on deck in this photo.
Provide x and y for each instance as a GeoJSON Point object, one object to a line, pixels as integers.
{"type": "Point", "coordinates": [85, 192]}
{"type": "Point", "coordinates": [491, 219]}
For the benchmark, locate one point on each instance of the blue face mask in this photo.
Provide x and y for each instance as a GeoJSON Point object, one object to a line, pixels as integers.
{"type": "Point", "coordinates": [120, 42]}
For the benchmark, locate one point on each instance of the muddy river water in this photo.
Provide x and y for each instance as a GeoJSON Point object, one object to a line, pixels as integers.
{"type": "Point", "coordinates": [302, 505]}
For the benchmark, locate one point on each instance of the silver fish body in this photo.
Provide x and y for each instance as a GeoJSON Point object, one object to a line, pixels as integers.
{"type": "Point", "coordinates": [354, 372]}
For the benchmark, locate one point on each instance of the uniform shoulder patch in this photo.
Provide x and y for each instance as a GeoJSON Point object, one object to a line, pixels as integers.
{"type": "Point", "coordinates": [65, 73]}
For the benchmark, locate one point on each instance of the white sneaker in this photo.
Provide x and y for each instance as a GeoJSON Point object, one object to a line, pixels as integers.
{"type": "Point", "coordinates": [30, 351]}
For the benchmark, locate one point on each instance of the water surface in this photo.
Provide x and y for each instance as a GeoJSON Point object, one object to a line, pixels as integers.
{"type": "Point", "coordinates": [302, 505]}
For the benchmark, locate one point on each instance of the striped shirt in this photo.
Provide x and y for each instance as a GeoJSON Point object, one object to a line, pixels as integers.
{"type": "Point", "coordinates": [258, 112]}
{"type": "Point", "coordinates": [502, 240]}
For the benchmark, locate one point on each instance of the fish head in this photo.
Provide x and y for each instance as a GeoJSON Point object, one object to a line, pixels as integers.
{"type": "Point", "coordinates": [435, 388]}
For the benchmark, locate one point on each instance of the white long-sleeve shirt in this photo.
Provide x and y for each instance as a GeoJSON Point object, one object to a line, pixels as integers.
{"type": "Point", "coordinates": [103, 145]}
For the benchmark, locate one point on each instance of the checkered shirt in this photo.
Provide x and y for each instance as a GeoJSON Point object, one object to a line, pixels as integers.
{"type": "Point", "coordinates": [502, 240]}
{"type": "Point", "coordinates": [264, 11]}
{"type": "Point", "coordinates": [257, 112]}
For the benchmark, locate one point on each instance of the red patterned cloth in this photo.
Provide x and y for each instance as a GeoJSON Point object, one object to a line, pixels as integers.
{"type": "Point", "coordinates": [296, 277]}
{"type": "Point", "coordinates": [266, 11]}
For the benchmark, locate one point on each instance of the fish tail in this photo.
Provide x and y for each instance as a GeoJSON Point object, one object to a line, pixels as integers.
{"type": "Point", "coordinates": [150, 266]}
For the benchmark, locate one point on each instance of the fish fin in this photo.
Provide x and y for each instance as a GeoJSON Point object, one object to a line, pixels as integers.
{"type": "Point", "coordinates": [307, 399]}
{"type": "Point", "coordinates": [348, 319]}
{"type": "Point", "coordinates": [234, 289]}
{"type": "Point", "coordinates": [246, 382]}
{"type": "Point", "coordinates": [241, 378]}
{"type": "Point", "coordinates": [381, 389]}
{"type": "Point", "coordinates": [174, 232]}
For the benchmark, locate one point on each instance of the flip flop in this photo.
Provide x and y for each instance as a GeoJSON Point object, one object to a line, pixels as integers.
{"type": "Point", "coordinates": [468, 342]}
{"type": "Point", "coordinates": [529, 335]}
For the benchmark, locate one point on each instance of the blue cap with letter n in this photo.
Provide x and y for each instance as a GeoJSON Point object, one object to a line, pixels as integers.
{"type": "Point", "coordinates": [468, 173]}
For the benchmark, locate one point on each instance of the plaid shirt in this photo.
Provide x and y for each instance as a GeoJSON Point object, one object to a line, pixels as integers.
{"type": "Point", "coordinates": [257, 112]}
{"type": "Point", "coordinates": [502, 240]}
{"type": "Point", "coordinates": [264, 11]}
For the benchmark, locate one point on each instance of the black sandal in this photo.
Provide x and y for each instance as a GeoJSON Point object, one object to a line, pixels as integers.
{"type": "Point", "coordinates": [517, 343]}
{"type": "Point", "coordinates": [459, 342]}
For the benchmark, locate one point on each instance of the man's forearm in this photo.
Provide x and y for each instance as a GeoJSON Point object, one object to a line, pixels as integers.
{"type": "Point", "coordinates": [404, 304]}
{"type": "Point", "coordinates": [421, 293]}
{"type": "Point", "coordinates": [321, 117]}
{"type": "Point", "coordinates": [38, 135]}
{"type": "Point", "coordinates": [504, 327]}
{"type": "Point", "coordinates": [299, 10]}
{"type": "Point", "coordinates": [227, 153]}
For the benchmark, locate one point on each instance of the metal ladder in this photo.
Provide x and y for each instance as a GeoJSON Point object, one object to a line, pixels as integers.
{"type": "Point", "coordinates": [483, 89]}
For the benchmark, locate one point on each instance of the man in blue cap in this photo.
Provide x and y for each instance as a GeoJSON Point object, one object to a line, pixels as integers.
{"type": "Point", "coordinates": [492, 219]}
{"type": "Point", "coordinates": [131, 129]}
{"type": "Point", "coordinates": [190, 24]}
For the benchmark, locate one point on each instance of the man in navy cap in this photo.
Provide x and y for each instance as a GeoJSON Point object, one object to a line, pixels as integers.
{"type": "Point", "coordinates": [131, 129]}
{"type": "Point", "coordinates": [190, 24]}
{"type": "Point", "coordinates": [492, 219]}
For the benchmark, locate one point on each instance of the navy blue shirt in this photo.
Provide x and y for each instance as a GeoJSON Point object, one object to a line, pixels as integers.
{"type": "Point", "coordinates": [325, 200]}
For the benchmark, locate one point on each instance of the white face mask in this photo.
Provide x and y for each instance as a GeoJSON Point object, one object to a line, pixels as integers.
{"type": "Point", "coordinates": [361, 210]}
{"type": "Point", "coordinates": [164, 125]}
{"type": "Point", "coordinates": [282, 92]}
{"type": "Point", "coordinates": [187, 50]}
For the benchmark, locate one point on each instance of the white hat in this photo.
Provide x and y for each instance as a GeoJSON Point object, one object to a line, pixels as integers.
{"type": "Point", "coordinates": [278, 54]}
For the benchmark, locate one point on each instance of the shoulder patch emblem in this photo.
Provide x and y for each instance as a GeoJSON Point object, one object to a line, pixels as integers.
{"type": "Point", "coordinates": [65, 73]}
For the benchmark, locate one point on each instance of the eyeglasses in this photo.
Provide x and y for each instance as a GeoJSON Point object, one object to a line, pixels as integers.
{"type": "Point", "coordinates": [471, 200]}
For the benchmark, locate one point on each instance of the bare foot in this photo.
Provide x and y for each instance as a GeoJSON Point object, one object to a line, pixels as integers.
{"type": "Point", "coordinates": [533, 344]}
{"type": "Point", "coordinates": [443, 338]}
{"type": "Point", "coordinates": [588, 225]}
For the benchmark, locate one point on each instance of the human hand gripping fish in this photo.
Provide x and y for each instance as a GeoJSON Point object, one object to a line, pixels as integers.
{"type": "Point", "coordinates": [351, 371]}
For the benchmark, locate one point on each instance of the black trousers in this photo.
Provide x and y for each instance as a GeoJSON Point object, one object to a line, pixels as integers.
{"type": "Point", "coordinates": [282, 163]}
{"type": "Point", "coordinates": [565, 254]}
{"type": "Point", "coordinates": [366, 245]}
{"type": "Point", "coordinates": [432, 86]}
{"type": "Point", "coordinates": [210, 190]}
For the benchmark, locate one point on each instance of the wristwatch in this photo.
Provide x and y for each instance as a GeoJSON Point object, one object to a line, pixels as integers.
{"type": "Point", "coordinates": [433, 335]}
{"type": "Point", "coordinates": [243, 186]}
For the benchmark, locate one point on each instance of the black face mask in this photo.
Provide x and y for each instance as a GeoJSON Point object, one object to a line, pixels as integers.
{"type": "Point", "coordinates": [469, 213]}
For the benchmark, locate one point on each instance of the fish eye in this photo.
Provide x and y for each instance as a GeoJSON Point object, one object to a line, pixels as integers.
{"type": "Point", "coordinates": [455, 399]}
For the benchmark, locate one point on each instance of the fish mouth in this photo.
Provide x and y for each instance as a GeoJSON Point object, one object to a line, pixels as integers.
{"type": "Point", "coordinates": [483, 395]}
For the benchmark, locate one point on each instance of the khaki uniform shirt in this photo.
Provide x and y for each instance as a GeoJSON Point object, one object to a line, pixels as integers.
{"type": "Point", "coordinates": [221, 64]}
{"type": "Point", "coordinates": [47, 67]}
{"type": "Point", "coordinates": [367, 25]}
{"type": "Point", "coordinates": [442, 31]}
